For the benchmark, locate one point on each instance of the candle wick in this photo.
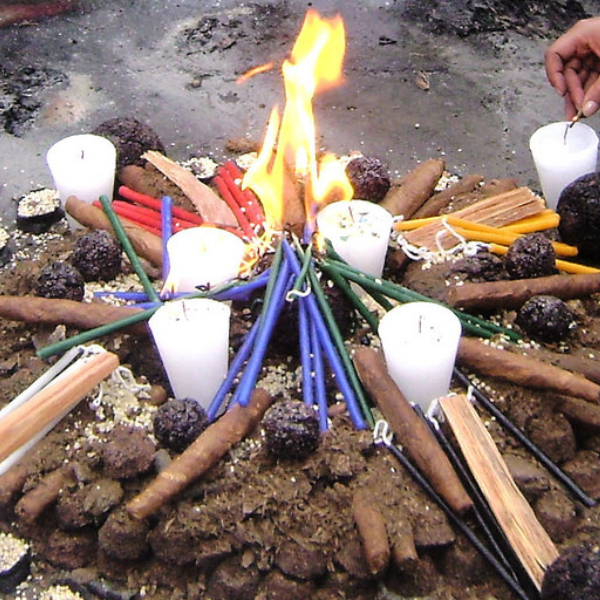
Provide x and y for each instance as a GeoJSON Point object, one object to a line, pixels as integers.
{"type": "Point", "coordinates": [420, 322]}
{"type": "Point", "coordinates": [351, 214]}
{"type": "Point", "coordinates": [82, 154]}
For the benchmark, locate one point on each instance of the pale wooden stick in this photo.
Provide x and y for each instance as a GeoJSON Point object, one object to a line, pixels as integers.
{"type": "Point", "coordinates": [212, 208]}
{"type": "Point", "coordinates": [60, 396]}
{"type": "Point", "coordinates": [529, 540]}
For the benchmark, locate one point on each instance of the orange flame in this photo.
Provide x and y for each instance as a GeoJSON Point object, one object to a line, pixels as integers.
{"type": "Point", "coordinates": [315, 64]}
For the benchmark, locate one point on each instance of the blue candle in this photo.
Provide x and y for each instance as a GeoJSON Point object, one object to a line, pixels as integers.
{"type": "Point", "coordinates": [319, 372]}
{"type": "Point", "coordinates": [166, 215]}
{"type": "Point", "coordinates": [305, 355]}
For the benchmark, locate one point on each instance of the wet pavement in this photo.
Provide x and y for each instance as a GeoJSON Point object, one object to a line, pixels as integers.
{"type": "Point", "coordinates": [174, 65]}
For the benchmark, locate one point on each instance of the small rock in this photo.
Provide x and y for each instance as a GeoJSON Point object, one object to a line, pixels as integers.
{"type": "Point", "coordinates": [557, 514]}
{"type": "Point", "coordinates": [531, 479]}
{"type": "Point", "coordinates": [124, 538]}
{"type": "Point", "coordinates": [127, 453]}
{"type": "Point", "coordinates": [299, 561]}
{"type": "Point", "coordinates": [230, 582]}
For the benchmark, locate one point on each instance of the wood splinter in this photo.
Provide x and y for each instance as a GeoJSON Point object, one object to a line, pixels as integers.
{"type": "Point", "coordinates": [527, 537]}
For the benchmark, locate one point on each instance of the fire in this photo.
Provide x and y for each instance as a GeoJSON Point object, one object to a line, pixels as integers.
{"type": "Point", "coordinates": [315, 64]}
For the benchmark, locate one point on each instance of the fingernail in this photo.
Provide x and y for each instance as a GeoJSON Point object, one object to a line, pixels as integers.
{"type": "Point", "coordinates": [589, 108]}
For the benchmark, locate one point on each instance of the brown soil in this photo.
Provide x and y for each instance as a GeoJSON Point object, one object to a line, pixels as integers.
{"type": "Point", "coordinates": [253, 526]}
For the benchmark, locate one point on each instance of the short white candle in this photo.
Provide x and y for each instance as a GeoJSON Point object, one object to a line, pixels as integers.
{"type": "Point", "coordinates": [359, 232]}
{"type": "Point", "coordinates": [83, 166]}
{"type": "Point", "coordinates": [192, 337]}
{"type": "Point", "coordinates": [203, 256]}
{"type": "Point", "coordinates": [419, 341]}
{"type": "Point", "coordinates": [561, 159]}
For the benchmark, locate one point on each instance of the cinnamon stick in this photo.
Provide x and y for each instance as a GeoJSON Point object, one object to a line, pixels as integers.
{"type": "Point", "coordinates": [524, 370]}
{"type": "Point", "coordinates": [582, 365]}
{"type": "Point", "coordinates": [372, 532]}
{"type": "Point", "coordinates": [24, 11]}
{"type": "Point", "coordinates": [201, 455]}
{"type": "Point", "coordinates": [210, 206]}
{"type": "Point", "coordinates": [146, 245]}
{"type": "Point", "coordinates": [529, 540]}
{"type": "Point", "coordinates": [491, 295]}
{"type": "Point", "coordinates": [404, 550]}
{"type": "Point", "coordinates": [411, 431]}
{"type": "Point", "coordinates": [55, 311]}
{"type": "Point", "coordinates": [497, 211]}
{"type": "Point", "coordinates": [12, 482]}
{"type": "Point", "coordinates": [579, 412]}
{"type": "Point", "coordinates": [411, 192]}
{"type": "Point", "coordinates": [34, 502]}
{"type": "Point", "coordinates": [438, 202]}
{"type": "Point", "coordinates": [59, 396]}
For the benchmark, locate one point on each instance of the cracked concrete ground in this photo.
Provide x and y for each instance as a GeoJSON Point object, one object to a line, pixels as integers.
{"type": "Point", "coordinates": [174, 64]}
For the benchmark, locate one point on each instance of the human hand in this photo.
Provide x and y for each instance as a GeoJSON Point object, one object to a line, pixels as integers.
{"type": "Point", "coordinates": [573, 67]}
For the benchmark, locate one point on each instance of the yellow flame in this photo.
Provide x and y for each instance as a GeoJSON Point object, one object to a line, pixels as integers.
{"type": "Point", "coordinates": [253, 71]}
{"type": "Point", "coordinates": [315, 64]}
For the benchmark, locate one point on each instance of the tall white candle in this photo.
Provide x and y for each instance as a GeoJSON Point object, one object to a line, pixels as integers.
{"type": "Point", "coordinates": [203, 256]}
{"type": "Point", "coordinates": [83, 166]}
{"type": "Point", "coordinates": [192, 337]}
{"type": "Point", "coordinates": [563, 155]}
{"type": "Point", "coordinates": [419, 341]}
{"type": "Point", "coordinates": [359, 232]}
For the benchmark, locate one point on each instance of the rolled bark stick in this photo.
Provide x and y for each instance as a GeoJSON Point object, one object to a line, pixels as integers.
{"type": "Point", "coordinates": [61, 395]}
{"type": "Point", "coordinates": [579, 412]}
{"type": "Point", "coordinates": [372, 532]}
{"type": "Point", "coordinates": [404, 551]}
{"type": "Point", "coordinates": [12, 482]}
{"type": "Point", "coordinates": [524, 370]}
{"type": "Point", "coordinates": [410, 193]}
{"type": "Point", "coordinates": [411, 431]}
{"type": "Point", "coordinates": [201, 455]}
{"type": "Point", "coordinates": [34, 502]}
{"type": "Point", "coordinates": [146, 245]}
{"type": "Point", "coordinates": [23, 11]}
{"type": "Point", "coordinates": [587, 367]}
{"type": "Point", "coordinates": [491, 295]}
{"type": "Point", "coordinates": [211, 207]}
{"type": "Point", "coordinates": [55, 311]}
{"type": "Point", "coordinates": [438, 202]}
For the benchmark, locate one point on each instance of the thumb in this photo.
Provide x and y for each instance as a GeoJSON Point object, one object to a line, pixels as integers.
{"type": "Point", "coordinates": [591, 100]}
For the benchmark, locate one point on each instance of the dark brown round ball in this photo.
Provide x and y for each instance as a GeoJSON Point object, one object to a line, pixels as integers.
{"type": "Point", "coordinates": [483, 266]}
{"type": "Point", "coordinates": [97, 256]}
{"type": "Point", "coordinates": [60, 280]}
{"type": "Point", "coordinates": [369, 178]}
{"type": "Point", "coordinates": [574, 575]}
{"type": "Point", "coordinates": [131, 139]}
{"type": "Point", "coordinates": [177, 423]}
{"type": "Point", "coordinates": [291, 430]}
{"type": "Point", "coordinates": [530, 256]}
{"type": "Point", "coordinates": [546, 318]}
{"type": "Point", "coordinates": [579, 210]}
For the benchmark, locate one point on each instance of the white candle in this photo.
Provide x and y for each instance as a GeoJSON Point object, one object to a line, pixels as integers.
{"type": "Point", "coordinates": [359, 232]}
{"type": "Point", "coordinates": [83, 166]}
{"type": "Point", "coordinates": [419, 341]}
{"type": "Point", "coordinates": [203, 256]}
{"type": "Point", "coordinates": [561, 159]}
{"type": "Point", "coordinates": [192, 337]}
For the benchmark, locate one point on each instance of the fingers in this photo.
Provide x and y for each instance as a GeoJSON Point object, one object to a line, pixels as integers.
{"type": "Point", "coordinates": [591, 100]}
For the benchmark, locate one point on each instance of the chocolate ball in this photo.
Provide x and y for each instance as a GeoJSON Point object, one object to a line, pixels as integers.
{"type": "Point", "coordinates": [530, 256]}
{"type": "Point", "coordinates": [369, 178]}
{"type": "Point", "coordinates": [60, 280]}
{"type": "Point", "coordinates": [177, 423]}
{"type": "Point", "coordinates": [546, 318]}
{"type": "Point", "coordinates": [97, 256]}
{"type": "Point", "coordinates": [574, 575]}
{"type": "Point", "coordinates": [291, 430]}
{"type": "Point", "coordinates": [579, 210]}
